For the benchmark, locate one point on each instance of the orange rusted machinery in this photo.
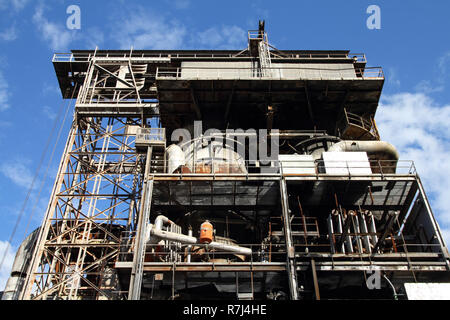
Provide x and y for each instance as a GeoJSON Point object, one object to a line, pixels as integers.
{"type": "Point", "coordinates": [206, 232]}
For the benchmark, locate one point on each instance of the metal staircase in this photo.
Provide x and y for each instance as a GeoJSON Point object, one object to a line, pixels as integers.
{"type": "Point", "coordinates": [264, 57]}
{"type": "Point", "coordinates": [258, 46]}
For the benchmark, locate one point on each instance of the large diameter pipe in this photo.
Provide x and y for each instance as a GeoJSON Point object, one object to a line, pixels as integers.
{"type": "Point", "coordinates": [176, 158]}
{"type": "Point", "coordinates": [162, 220]}
{"type": "Point", "coordinates": [156, 231]}
{"type": "Point", "coordinates": [178, 237]}
{"type": "Point", "coordinates": [172, 236]}
{"type": "Point", "coordinates": [367, 146]}
{"type": "Point", "coordinates": [189, 248]}
{"type": "Point", "coordinates": [159, 222]}
{"type": "Point", "coordinates": [230, 248]}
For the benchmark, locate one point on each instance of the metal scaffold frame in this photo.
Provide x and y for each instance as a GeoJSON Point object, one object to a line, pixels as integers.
{"type": "Point", "coordinates": [98, 186]}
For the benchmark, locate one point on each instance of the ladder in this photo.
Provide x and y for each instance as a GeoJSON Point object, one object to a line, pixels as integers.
{"type": "Point", "coordinates": [158, 159]}
{"type": "Point", "coordinates": [264, 58]}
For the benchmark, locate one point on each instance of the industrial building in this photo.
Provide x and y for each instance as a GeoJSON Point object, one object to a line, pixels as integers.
{"type": "Point", "coordinates": [226, 174]}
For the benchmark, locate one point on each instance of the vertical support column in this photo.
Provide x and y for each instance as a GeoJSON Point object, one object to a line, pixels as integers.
{"type": "Point", "coordinates": [134, 292]}
{"type": "Point", "coordinates": [290, 262]}
{"type": "Point", "coordinates": [331, 234]}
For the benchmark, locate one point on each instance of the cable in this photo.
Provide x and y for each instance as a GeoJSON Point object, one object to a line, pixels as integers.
{"type": "Point", "coordinates": [35, 177]}
{"type": "Point", "coordinates": [27, 196]}
{"type": "Point", "coordinates": [49, 161]}
{"type": "Point", "coordinates": [392, 286]}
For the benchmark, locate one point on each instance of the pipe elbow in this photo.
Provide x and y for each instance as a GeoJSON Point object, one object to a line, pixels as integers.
{"type": "Point", "coordinates": [160, 221]}
{"type": "Point", "coordinates": [366, 146]}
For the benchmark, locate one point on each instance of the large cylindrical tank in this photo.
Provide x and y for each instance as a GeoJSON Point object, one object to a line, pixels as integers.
{"type": "Point", "coordinates": [206, 232]}
{"type": "Point", "coordinates": [213, 157]}
{"type": "Point", "coordinates": [16, 281]}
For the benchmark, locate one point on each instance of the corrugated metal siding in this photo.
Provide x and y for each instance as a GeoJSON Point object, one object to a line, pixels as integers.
{"type": "Point", "coordinates": [311, 71]}
{"type": "Point", "coordinates": [245, 70]}
{"type": "Point", "coordinates": [216, 70]}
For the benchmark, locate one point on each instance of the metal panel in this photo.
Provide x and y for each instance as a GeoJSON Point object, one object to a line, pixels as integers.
{"type": "Point", "coordinates": [343, 163]}
{"type": "Point", "coordinates": [216, 70]}
{"type": "Point", "coordinates": [297, 164]}
{"type": "Point", "coordinates": [311, 71]}
{"type": "Point", "coordinates": [428, 291]}
{"type": "Point", "coordinates": [285, 71]}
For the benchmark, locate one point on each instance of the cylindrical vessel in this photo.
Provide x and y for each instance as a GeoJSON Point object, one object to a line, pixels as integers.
{"type": "Point", "coordinates": [213, 157]}
{"type": "Point", "coordinates": [206, 232]}
{"type": "Point", "coordinates": [16, 281]}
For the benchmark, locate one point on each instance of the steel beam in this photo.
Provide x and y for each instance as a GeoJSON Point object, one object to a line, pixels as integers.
{"type": "Point", "coordinates": [137, 272]}
{"type": "Point", "coordinates": [290, 258]}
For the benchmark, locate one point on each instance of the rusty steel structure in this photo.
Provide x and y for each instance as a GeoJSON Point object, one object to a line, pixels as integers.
{"type": "Point", "coordinates": [137, 214]}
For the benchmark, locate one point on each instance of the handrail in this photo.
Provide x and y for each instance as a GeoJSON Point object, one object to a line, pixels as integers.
{"type": "Point", "coordinates": [161, 253]}
{"type": "Point", "coordinates": [276, 73]}
{"type": "Point", "coordinates": [367, 124]}
{"type": "Point", "coordinates": [70, 57]}
{"type": "Point", "coordinates": [151, 134]}
{"type": "Point", "coordinates": [62, 57]}
{"type": "Point", "coordinates": [223, 167]}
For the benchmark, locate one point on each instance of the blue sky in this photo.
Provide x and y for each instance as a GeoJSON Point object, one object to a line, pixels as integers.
{"type": "Point", "coordinates": [411, 46]}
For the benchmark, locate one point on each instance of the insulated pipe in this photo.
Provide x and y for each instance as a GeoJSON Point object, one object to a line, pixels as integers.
{"type": "Point", "coordinates": [176, 158]}
{"type": "Point", "coordinates": [189, 248]}
{"type": "Point", "coordinates": [230, 248]}
{"type": "Point", "coordinates": [160, 221]}
{"type": "Point", "coordinates": [156, 231]}
{"type": "Point", "coordinates": [178, 237]}
{"type": "Point", "coordinates": [372, 229]}
{"type": "Point", "coordinates": [366, 239]}
{"type": "Point", "coordinates": [331, 233]}
{"type": "Point", "coordinates": [172, 236]}
{"type": "Point", "coordinates": [367, 146]}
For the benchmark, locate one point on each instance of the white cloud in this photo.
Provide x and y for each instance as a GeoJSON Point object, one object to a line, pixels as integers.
{"type": "Point", "coordinates": [393, 77]}
{"type": "Point", "coordinates": [18, 172]}
{"type": "Point", "coordinates": [260, 10]}
{"type": "Point", "coordinates": [94, 38]}
{"type": "Point", "coordinates": [5, 124]}
{"type": "Point", "coordinates": [144, 30]}
{"type": "Point", "coordinates": [182, 4]}
{"type": "Point", "coordinates": [55, 34]}
{"type": "Point", "coordinates": [49, 112]}
{"type": "Point", "coordinates": [9, 34]}
{"type": "Point", "coordinates": [51, 89]}
{"type": "Point", "coordinates": [443, 62]}
{"type": "Point", "coordinates": [224, 37]}
{"type": "Point", "coordinates": [178, 4]}
{"type": "Point", "coordinates": [426, 86]}
{"type": "Point", "coordinates": [419, 128]}
{"type": "Point", "coordinates": [7, 264]}
{"type": "Point", "coordinates": [4, 93]}
{"type": "Point", "coordinates": [17, 5]}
